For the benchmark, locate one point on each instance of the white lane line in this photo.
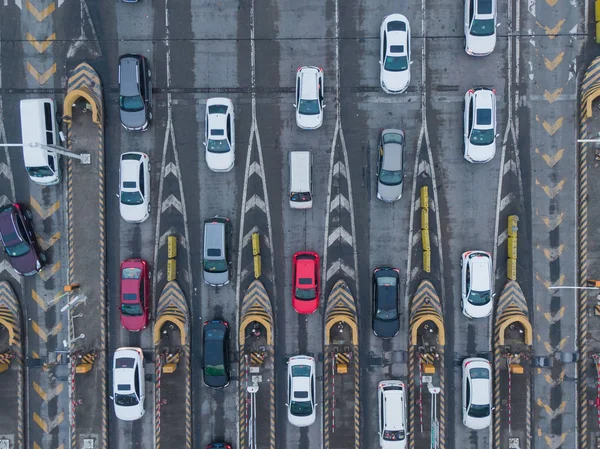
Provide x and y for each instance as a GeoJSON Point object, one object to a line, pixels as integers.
{"type": "Point", "coordinates": [3, 131]}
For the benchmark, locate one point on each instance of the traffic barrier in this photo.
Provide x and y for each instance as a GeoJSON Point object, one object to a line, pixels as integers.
{"type": "Point", "coordinates": [597, 8]}
{"type": "Point", "coordinates": [425, 197]}
{"type": "Point", "coordinates": [424, 218]}
{"type": "Point", "coordinates": [513, 222]}
{"type": "Point", "coordinates": [511, 269]}
{"type": "Point", "coordinates": [257, 266]}
{"type": "Point", "coordinates": [171, 270]}
{"type": "Point", "coordinates": [171, 247]}
{"type": "Point", "coordinates": [255, 244]}
{"type": "Point", "coordinates": [512, 247]}
{"type": "Point", "coordinates": [427, 261]}
{"type": "Point", "coordinates": [425, 240]}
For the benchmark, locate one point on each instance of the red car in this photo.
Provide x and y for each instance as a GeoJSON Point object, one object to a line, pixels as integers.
{"type": "Point", "coordinates": [306, 280]}
{"type": "Point", "coordinates": [135, 294]}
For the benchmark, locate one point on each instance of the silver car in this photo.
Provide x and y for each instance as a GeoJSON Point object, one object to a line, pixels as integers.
{"type": "Point", "coordinates": [390, 165]}
{"type": "Point", "coordinates": [215, 256]}
{"type": "Point", "coordinates": [135, 92]}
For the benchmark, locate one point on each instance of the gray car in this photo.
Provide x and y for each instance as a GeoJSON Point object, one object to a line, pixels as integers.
{"type": "Point", "coordinates": [390, 165]}
{"type": "Point", "coordinates": [215, 256]}
{"type": "Point", "coordinates": [134, 92]}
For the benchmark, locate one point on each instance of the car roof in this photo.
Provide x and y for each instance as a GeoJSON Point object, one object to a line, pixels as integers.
{"type": "Point", "coordinates": [484, 8]}
{"type": "Point", "coordinates": [483, 98]}
{"type": "Point", "coordinates": [214, 237]}
{"type": "Point", "coordinates": [128, 66]}
{"type": "Point", "coordinates": [130, 172]}
{"type": "Point", "coordinates": [392, 156]}
{"type": "Point", "coordinates": [218, 121]}
{"type": "Point", "coordinates": [125, 361]}
{"type": "Point", "coordinates": [308, 84]}
{"type": "Point", "coordinates": [480, 273]}
{"type": "Point", "coordinates": [301, 384]}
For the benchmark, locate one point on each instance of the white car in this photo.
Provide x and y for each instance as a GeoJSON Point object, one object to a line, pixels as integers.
{"type": "Point", "coordinates": [476, 393]}
{"type": "Point", "coordinates": [480, 125]}
{"type": "Point", "coordinates": [134, 187]}
{"type": "Point", "coordinates": [129, 387]}
{"type": "Point", "coordinates": [480, 27]}
{"type": "Point", "coordinates": [219, 134]}
{"type": "Point", "coordinates": [301, 391]}
{"type": "Point", "coordinates": [309, 97]}
{"type": "Point", "coordinates": [394, 54]}
{"type": "Point", "coordinates": [391, 398]}
{"type": "Point", "coordinates": [476, 283]}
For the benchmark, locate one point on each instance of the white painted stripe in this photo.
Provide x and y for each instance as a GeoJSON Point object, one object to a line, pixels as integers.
{"type": "Point", "coordinates": [339, 167]}
{"type": "Point", "coordinates": [256, 168]}
{"type": "Point", "coordinates": [5, 2]}
{"type": "Point", "coordinates": [255, 201]}
{"type": "Point", "coordinates": [339, 233]}
{"type": "Point", "coordinates": [339, 201]}
{"type": "Point", "coordinates": [402, 99]}
{"type": "Point", "coordinates": [60, 3]}
{"type": "Point", "coordinates": [171, 201]}
{"type": "Point", "coordinates": [4, 200]}
{"type": "Point", "coordinates": [416, 238]}
{"type": "Point", "coordinates": [417, 203]}
{"type": "Point", "coordinates": [502, 237]}
{"type": "Point", "coordinates": [510, 166]}
{"type": "Point", "coordinates": [506, 200]}
{"type": "Point", "coordinates": [424, 167]}
{"type": "Point", "coordinates": [413, 274]}
{"type": "Point", "coordinates": [531, 7]}
{"type": "Point", "coordinates": [19, 3]}
{"type": "Point", "coordinates": [171, 169]}
{"type": "Point", "coordinates": [338, 266]}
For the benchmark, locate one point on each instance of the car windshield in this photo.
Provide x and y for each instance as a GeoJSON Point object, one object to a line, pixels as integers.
{"type": "Point", "coordinates": [306, 293]}
{"type": "Point", "coordinates": [484, 27]}
{"type": "Point", "coordinates": [126, 400]}
{"type": "Point", "coordinates": [131, 273]}
{"type": "Point", "coordinates": [390, 177]}
{"type": "Point", "coordinates": [218, 146]}
{"type": "Point", "coordinates": [20, 249]}
{"type": "Point", "coordinates": [131, 309]}
{"type": "Point", "coordinates": [301, 408]}
{"type": "Point", "coordinates": [479, 298]}
{"type": "Point", "coordinates": [482, 137]}
{"type": "Point", "coordinates": [479, 373]}
{"type": "Point", "coordinates": [386, 298]}
{"type": "Point", "coordinates": [215, 266]}
{"type": "Point", "coordinates": [393, 138]}
{"type": "Point", "coordinates": [393, 435]}
{"type": "Point", "coordinates": [40, 172]}
{"type": "Point", "coordinates": [131, 104]}
{"type": "Point", "coordinates": [479, 411]}
{"type": "Point", "coordinates": [132, 198]}
{"type": "Point", "coordinates": [309, 107]}
{"type": "Point", "coordinates": [396, 63]}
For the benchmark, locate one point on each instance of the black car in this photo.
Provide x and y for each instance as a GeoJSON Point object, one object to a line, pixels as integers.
{"type": "Point", "coordinates": [134, 92]}
{"type": "Point", "coordinates": [386, 292]}
{"type": "Point", "coordinates": [215, 339]}
{"type": "Point", "coordinates": [19, 239]}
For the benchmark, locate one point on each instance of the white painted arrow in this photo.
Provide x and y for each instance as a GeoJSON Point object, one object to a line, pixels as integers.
{"type": "Point", "coordinates": [339, 200]}
{"type": "Point", "coordinates": [172, 201]}
{"type": "Point", "coordinates": [255, 201]}
{"type": "Point", "coordinates": [4, 170]}
{"type": "Point", "coordinates": [510, 165]}
{"type": "Point", "coordinates": [6, 266]}
{"type": "Point", "coordinates": [339, 233]}
{"type": "Point", "coordinates": [337, 266]}
{"type": "Point", "coordinates": [172, 231]}
{"type": "Point", "coordinates": [340, 168]}
{"type": "Point", "coordinates": [171, 168]}
{"type": "Point", "coordinates": [255, 168]}
{"type": "Point", "coordinates": [248, 237]}
{"type": "Point", "coordinates": [4, 200]}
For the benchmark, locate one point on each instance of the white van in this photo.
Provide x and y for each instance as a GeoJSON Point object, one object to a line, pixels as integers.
{"type": "Point", "coordinates": [300, 180]}
{"type": "Point", "coordinates": [39, 126]}
{"type": "Point", "coordinates": [391, 396]}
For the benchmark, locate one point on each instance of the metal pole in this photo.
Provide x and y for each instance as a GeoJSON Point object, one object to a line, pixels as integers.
{"type": "Point", "coordinates": [572, 287]}
{"type": "Point", "coordinates": [84, 158]}
{"type": "Point", "coordinates": [588, 140]}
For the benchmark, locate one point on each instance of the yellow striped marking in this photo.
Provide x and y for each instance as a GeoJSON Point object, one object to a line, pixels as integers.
{"type": "Point", "coordinates": [47, 273]}
{"type": "Point", "coordinates": [555, 441]}
{"type": "Point", "coordinates": [38, 299]}
{"type": "Point", "coordinates": [550, 129]}
{"type": "Point", "coordinates": [548, 284]}
{"type": "Point", "coordinates": [41, 46]}
{"type": "Point", "coordinates": [40, 210]}
{"type": "Point", "coordinates": [551, 97]}
{"type": "Point", "coordinates": [51, 394]}
{"type": "Point", "coordinates": [35, 355]}
{"type": "Point", "coordinates": [40, 15]}
{"type": "Point", "coordinates": [47, 243]}
{"type": "Point", "coordinates": [552, 64]}
{"type": "Point", "coordinates": [552, 253]}
{"type": "Point", "coordinates": [553, 382]}
{"type": "Point", "coordinates": [551, 191]}
{"type": "Point", "coordinates": [551, 161]}
{"type": "Point", "coordinates": [552, 413]}
{"type": "Point", "coordinates": [552, 32]}
{"type": "Point", "coordinates": [47, 427]}
{"type": "Point", "coordinates": [557, 316]}
{"type": "Point", "coordinates": [42, 333]}
{"type": "Point", "coordinates": [559, 347]}
{"type": "Point", "coordinates": [41, 78]}
{"type": "Point", "coordinates": [553, 221]}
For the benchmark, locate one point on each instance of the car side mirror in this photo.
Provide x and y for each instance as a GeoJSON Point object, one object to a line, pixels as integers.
{"type": "Point", "coordinates": [295, 105]}
{"type": "Point", "coordinates": [111, 398]}
{"type": "Point", "coordinates": [287, 405]}
{"type": "Point", "coordinates": [118, 196]}
{"type": "Point", "coordinates": [380, 62]}
{"type": "Point", "coordinates": [498, 135]}
{"type": "Point", "coordinates": [498, 25]}
{"type": "Point", "coordinates": [204, 143]}
{"type": "Point", "coordinates": [324, 104]}
{"type": "Point", "coordinates": [411, 62]}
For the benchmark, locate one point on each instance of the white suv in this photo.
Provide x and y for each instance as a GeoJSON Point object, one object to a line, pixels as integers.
{"type": "Point", "coordinates": [128, 383]}
{"type": "Point", "coordinates": [480, 125]}
{"type": "Point", "coordinates": [301, 391]}
{"type": "Point", "coordinates": [309, 97]}
{"type": "Point", "coordinates": [391, 398]}
{"type": "Point", "coordinates": [476, 284]}
{"type": "Point", "coordinates": [476, 393]}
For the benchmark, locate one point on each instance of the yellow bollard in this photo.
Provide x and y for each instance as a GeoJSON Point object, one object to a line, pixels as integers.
{"type": "Point", "coordinates": [425, 240]}
{"type": "Point", "coordinates": [513, 225]}
{"type": "Point", "coordinates": [512, 247]}
{"type": "Point", "coordinates": [171, 247]}
{"type": "Point", "coordinates": [424, 219]}
{"type": "Point", "coordinates": [597, 8]}
{"type": "Point", "coordinates": [511, 269]}
{"type": "Point", "coordinates": [257, 266]}
{"type": "Point", "coordinates": [255, 243]}
{"type": "Point", "coordinates": [427, 261]}
{"type": "Point", "coordinates": [424, 198]}
{"type": "Point", "coordinates": [171, 270]}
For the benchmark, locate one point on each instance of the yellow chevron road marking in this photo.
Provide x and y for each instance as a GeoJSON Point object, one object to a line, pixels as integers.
{"type": "Point", "coordinates": [42, 333]}
{"type": "Point", "coordinates": [553, 221]}
{"type": "Point", "coordinates": [551, 161]}
{"type": "Point", "coordinates": [50, 271]}
{"type": "Point", "coordinates": [552, 32]}
{"type": "Point", "coordinates": [559, 347]}
{"type": "Point", "coordinates": [551, 65]}
{"type": "Point", "coordinates": [51, 394]}
{"type": "Point", "coordinates": [40, 15]}
{"type": "Point", "coordinates": [550, 129]}
{"type": "Point", "coordinates": [47, 427]}
{"type": "Point", "coordinates": [548, 284]}
{"type": "Point", "coordinates": [41, 46]}
{"type": "Point", "coordinates": [47, 243]}
{"type": "Point", "coordinates": [553, 253]}
{"type": "Point", "coordinates": [35, 355]}
{"type": "Point", "coordinates": [551, 2]}
{"type": "Point", "coordinates": [552, 413]}
{"type": "Point", "coordinates": [39, 300]}
{"type": "Point", "coordinates": [41, 211]}
{"type": "Point", "coordinates": [551, 97]}
{"type": "Point", "coordinates": [553, 382]}
{"type": "Point", "coordinates": [555, 441]}
{"type": "Point", "coordinates": [556, 317]}
{"type": "Point", "coordinates": [39, 77]}
{"type": "Point", "coordinates": [551, 191]}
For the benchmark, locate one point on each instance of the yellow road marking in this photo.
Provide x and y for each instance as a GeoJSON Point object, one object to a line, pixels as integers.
{"type": "Point", "coordinates": [551, 2]}
{"type": "Point", "coordinates": [47, 273]}
{"type": "Point", "coordinates": [555, 441]}
{"type": "Point", "coordinates": [41, 46]}
{"type": "Point", "coordinates": [42, 333]}
{"type": "Point", "coordinates": [39, 77]}
{"type": "Point", "coordinates": [35, 355]}
{"type": "Point", "coordinates": [550, 129]}
{"type": "Point", "coordinates": [548, 284]}
{"type": "Point", "coordinates": [553, 382]}
{"type": "Point", "coordinates": [551, 191]}
{"type": "Point", "coordinates": [45, 244]}
{"type": "Point", "coordinates": [554, 221]}
{"type": "Point", "coordinates": [551, 161]}
{"type": "Point", "coordinates": [552, 413]}
{"type": "Point", "coordinates": [553, 253]}
{"type": "Point", "coordinates": [47, 427]}
{"type": "Point", "coordinates": [51, 394]}
{"type": "Point", "coordinates": [552, 32]}
{"type": "Point", "coordinates": [41, 211]}
{"type": "Point", "coordinates": [551, 65]}
{"type": "Point", "coordinates": [40, 15]}
{"type": "Point", "coordinates": [556, 317]}
{"type": "Point", "coordinates": [559, 347]}
{"type": "Point", "coordinates": [38, 299]}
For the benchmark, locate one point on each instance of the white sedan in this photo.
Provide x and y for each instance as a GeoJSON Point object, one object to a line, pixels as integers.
{"type": "Point", "coordinates": [219, 134]}
{"type": "Point", "coordinates": [301, 391]}
{"type": "Point", "coordinates": [480, 27]}
{"type": "Point", "coordinates": [394, 54]}
{"type": "Point", "coordinates": [476, 284]}
{"type": "Point", "coordinates": [134, 187]}
{"type": "Point", "coordinates": [476, 393]}
{"type": "Point", "coordinates": [129, 388]}
{"type": "Point", "coordinates": [480, 125]}
{"type": "Point", "coordinates": [309, 97]}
